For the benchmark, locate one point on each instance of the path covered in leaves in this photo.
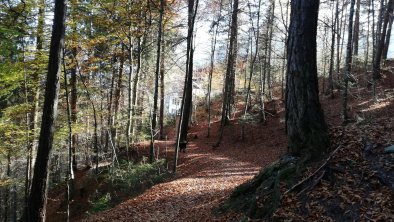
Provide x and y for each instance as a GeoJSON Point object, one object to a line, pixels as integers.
{"type": "Point", "coordinates": [205, 176]}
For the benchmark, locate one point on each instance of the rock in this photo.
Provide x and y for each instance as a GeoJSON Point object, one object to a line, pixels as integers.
{"type": "Point", "coordinates": [389, 149]}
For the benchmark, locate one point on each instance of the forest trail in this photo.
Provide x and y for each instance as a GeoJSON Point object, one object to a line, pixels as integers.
{"type": "Point", "coordinates": [205, 176]}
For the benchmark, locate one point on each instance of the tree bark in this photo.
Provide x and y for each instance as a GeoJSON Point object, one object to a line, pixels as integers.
{"type": "Point", "coordinates": [229, 69]}
{"type": "Point", "coordinates": [187, 102]}
{"type": "Point", "coordinates": [161, 111]}
{"type": "Point", "coordinates": [306, 128]}
{"type": "Point", "coordinates": [39, 189]}
{"type": "Point", "coordinates": [348, 63]}
{"type": "Point", "coordinates": [388, 36]}
{"type": "Point", "coordinates": [332, 53]}
{"type": "Point", "coordinates": [356, 30]}
{"type": "Point", "coordinates": [156, 87]}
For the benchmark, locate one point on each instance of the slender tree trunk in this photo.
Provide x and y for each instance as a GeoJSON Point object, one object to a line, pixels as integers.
{"type": "Point", "coordinates": [187, 103]}
{"type": "Point", "coordinates": [230, 67]}
{"type": "Point", "coordinates": [7, 188]}
{"type": "Point", "coordinates": [118, 90]}
{"type": "Point", "coordinates": [356, 30]}
{"type": "Point", "coordinates": [156, 87]}
{"type": "Point", "coordinates": [306, 128]}
{"type": "Point", "coordinates": [368, 37]}
{"type": "Point", "coordinates": [135, 99]}
{"type": "Point", "coordinates": [74, 108]}
{"type": "Point", "coordinates": [268, 65]}
{"type": "Point", "coordinates": [373, 32]}
{"type": "Point", "coordinates": [129, 94]}
{"type": "Point", "coordinates": [256, 34]}
{"type": "Point", "coordinates": [339, 32]}
{"type": "Point", "coordinates": [376, 65]}
{"type": "Point", "coordinates": [388, 36]}
{"type": "Point", "coordinates": [38, 195]}
{"type": "Point", "coordinates": [110, 120]}
{"type": "Point", "coordinates": [215, 29]}
{"type": "Point", "coordinates": [348, 63]}
{"type": "Point", "coordinates": [70, 174]}
{"type": "Point", "coordinates": [73, 81]}
{"type": "Point", "coordinates": [161, 119]}
{"type": "Point", "coordinates": [331, 72]}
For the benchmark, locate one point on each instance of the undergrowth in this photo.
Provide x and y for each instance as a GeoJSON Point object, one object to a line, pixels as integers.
{"type": "Point", "coordinates": [125, 181]}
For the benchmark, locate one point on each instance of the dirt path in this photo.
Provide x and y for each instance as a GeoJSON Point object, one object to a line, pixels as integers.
{"type": "Point", "coordinates": [205, 176]}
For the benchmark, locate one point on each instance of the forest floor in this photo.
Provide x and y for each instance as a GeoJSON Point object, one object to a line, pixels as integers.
{"type": "Point", "coordinates": [363, 188]}
{"type": "Point", "coordinates": [205, 176]}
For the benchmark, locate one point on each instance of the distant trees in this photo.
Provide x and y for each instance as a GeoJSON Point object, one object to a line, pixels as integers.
{"type": "Point", "coordinates": [380, 45]}
{"type": "Point", "coordinates": [305, 124]}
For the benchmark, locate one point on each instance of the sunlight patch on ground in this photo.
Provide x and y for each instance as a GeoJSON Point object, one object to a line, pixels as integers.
{"type": "Point", "coordinates": [376, 106]}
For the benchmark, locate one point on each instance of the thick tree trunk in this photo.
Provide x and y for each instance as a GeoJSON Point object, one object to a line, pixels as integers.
{"type": "Point", "coordinates": [306, 128]}
{"type": "Point", "coordinates": [348, 63]}
{"type": "Point", "coordinates": [38, 194]}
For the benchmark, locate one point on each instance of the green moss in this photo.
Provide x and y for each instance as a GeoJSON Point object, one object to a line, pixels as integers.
{"type": "Point", "coordinates": [260, 197]}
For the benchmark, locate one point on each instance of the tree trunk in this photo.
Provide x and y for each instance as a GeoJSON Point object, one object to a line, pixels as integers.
{"type": "Point", "coordinates": [70, 173]}
{"type": "Point", "coordinates": [187, 102]}
{"type": "Point", "coordinates": [118, 90]}
{"type": "Point", "coordinates": [7, 188]}
{"type": "Point", "coordinates": [269, 49]}
{"type": "Point", "coordinates": [74, 108]}
{"type": "Point", "coordinates": [229, 69]}
{"type": "Point", "coordinates": [388, 36]}
{"type": "Point", "coordinates": [33, 116]}
{"type": "Point", "coordinates": [129, 93]}
{"type": "Point", "coordinates": [253, 54]}
{"type": "Point", "coordinates": [356, 30]}
{"type": "Point", "coordinates": [215, 30]}
{"type": "Point", "coordinates": [348, 63]}
{"type": "Point", "coordinates": [156, 87]}
{"type": "Point", "coordinates": [379, 50]}
{"type": "Point", "coordinates": [161, 119]}
{"type": "Point", "coordinates": [367, 42]}
{"type": "Point", "coordinates": [306, 128]}
{"type": "Point", "coordinates": [331, 72]}
{"type": "Point", "coordinates": [39, 189]}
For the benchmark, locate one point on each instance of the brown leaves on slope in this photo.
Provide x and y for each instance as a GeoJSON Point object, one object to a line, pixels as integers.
{"type": "Point", "coordinates": [205, 177]}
